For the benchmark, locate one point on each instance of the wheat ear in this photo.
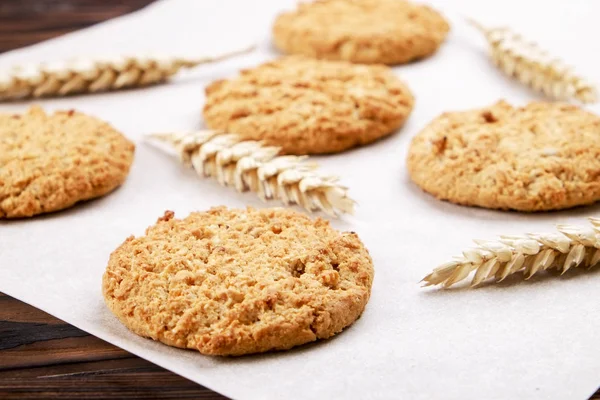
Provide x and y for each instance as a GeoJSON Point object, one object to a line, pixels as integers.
{"type": "Point", "coordinates": [568, 248]}
{"type": "Point", "coordinates": [251, 166]}
{"type": "Point", "coordinates": [534, 67]}
{"type": "Point", "coordinates": [100, 75]}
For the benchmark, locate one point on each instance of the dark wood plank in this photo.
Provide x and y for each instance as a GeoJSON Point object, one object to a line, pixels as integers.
{"type": "Point", "coordinates": [43, 357]}
{"type": "Point", "coordinates": [20, 312]}
{"type": "Point", "coordinates": [58, 350]}
{"type": "Point", "coordinates": [24, 22]}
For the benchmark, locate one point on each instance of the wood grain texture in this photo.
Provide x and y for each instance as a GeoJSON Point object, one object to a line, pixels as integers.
{"type": "Point", "coordinates": [41, 357]}
{"type": "Point", "coordinates": [24, 22]}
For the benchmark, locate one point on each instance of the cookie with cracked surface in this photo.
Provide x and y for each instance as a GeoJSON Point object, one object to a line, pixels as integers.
{"type": "Point", "coordinates": [543, 156]}
{"type": "Point", "coordinates": [307, 106]}
{"type": "Point", "coordinates": [234, 282]}
{"type": "Point", "coordinates": [361, 31]}
{"type": "Point", "coordinates": [50, 162]}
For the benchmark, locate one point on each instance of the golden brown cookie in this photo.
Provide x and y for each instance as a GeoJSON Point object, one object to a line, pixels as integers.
{"type": "Point", "coordinates": [233, 282]}
{"type": "Point", "coordinates": [307, 106]}
{"type": "Point", "coordinates": [544, 156]}
{"type": "Point", "coordinates": [361, 31]}
{"type": "Point", "coordinates": [50, 162]}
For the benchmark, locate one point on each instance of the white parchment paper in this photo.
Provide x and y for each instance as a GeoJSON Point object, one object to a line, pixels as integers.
{"type": "Point", "coordinates": [533, 340]}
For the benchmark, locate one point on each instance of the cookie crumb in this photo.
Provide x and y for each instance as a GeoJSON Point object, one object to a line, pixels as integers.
{"type": "Point", "coordinates": [167, 216]}
{"type": "Point", "coordinates": [440, 144]}
{"type": "Point", "coordinates": [489, 117]}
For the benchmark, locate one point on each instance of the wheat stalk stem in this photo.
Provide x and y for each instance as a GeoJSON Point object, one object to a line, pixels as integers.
{"type": "Point", "coordinates": [90, 76]}
{"type": "Point", "coordinates": [570, 247]}
{"type": "Point", "coordinates": [534, 67]}
{"type": "Point", "coordinates": [251, 166]}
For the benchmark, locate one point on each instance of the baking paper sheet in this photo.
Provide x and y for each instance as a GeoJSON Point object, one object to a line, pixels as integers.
{"type": "Point", "coordinates": [534, 339]}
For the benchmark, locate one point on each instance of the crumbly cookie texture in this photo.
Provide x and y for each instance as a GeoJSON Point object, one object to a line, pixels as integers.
{"type": "Point", "coordinates": [234, 282]}
{"type": "Point", "coordinates": [543, 156]}
{"type": "Point", "coordinates": [50, 162]}
{"type": "Point", "coordinates": [307, 106]}
{"type": "Point", "coordinates": [361, 31]}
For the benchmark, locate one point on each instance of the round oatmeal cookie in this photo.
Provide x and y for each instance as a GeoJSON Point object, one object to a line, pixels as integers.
{"type": "Point", "coordinates": [543, 156]}
{"type": "Point", "coordinates": [234, 282]}
{"type": "Point", "coordinates": [307, 106]}
{"type": "Point", "coordinates": [50, 162]}
{"type": "Point", "coordinates": [361, 31]}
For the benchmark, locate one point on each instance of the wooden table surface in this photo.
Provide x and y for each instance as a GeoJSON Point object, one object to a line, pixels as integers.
{"type": "Point", "coordinates": [42, 357]}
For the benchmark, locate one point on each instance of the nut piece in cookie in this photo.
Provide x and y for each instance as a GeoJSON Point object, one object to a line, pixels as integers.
{"type": "Point", "coordinates": [307, 106]}
{"type": "Point", "coordinates": [543, 156]}
{"type": "Point", "coordinates": [234, 282]}
{"type": "Point", "coordinates": [361, 31]}
{"type": "Point", "coordinates": [49, 162]}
